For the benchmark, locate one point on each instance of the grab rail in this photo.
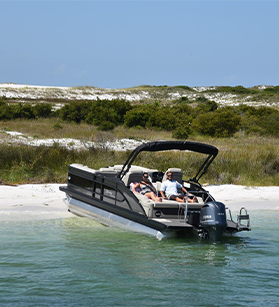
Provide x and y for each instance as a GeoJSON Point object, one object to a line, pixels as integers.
{"type": "Point", "coordinates": [242, 217]}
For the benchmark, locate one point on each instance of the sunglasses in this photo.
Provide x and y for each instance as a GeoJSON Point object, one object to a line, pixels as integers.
{"type": "Point", "coordinates": [145, 176]}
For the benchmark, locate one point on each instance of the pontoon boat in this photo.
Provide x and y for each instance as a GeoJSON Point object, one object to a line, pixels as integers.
{"type": "Point", "coordinates": [106, 195]}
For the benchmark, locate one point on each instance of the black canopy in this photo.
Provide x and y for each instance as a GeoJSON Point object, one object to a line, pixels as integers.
{"type": "Point", "coordinates": [209, 150]}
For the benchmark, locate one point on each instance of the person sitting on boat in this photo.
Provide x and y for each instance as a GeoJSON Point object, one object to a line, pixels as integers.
{"type": "Point", "coordinates": [169, 190]}
{"type": "Point", "coordinates": [147, 188]}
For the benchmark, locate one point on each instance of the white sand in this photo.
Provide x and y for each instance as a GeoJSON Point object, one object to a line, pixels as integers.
{"type": "Point", "coordinates": [252, 198]}
{"type": "Point", "coordinates": [117, 145]}
{"type": "Point", "coordinates": [45, 201]}
{"type": "Point", "coordinates": [24, 91]}
{"type": "Point", "coordinates": [32, 202]}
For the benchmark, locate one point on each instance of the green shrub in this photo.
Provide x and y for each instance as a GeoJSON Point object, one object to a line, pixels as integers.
{"type": "Point", "coordinates": [138, 116]}
{"type": "Point", "coordinates": [234, 90]}
{"type": "Point", "coordinates": [102, 114]}
{"type": "Point", "coordinates": [42, 110]}
{"type": "Point", "coordinates": [182, 132]}
{"type": "Point", "coordinates": [6, 112]}
{"type": "Point", "coordinates": [272, 90]}
{"type": "Point", "coordinates": [57, 126]}
{"type": "Point", "coordinates": [108, 110]}
{"type": "Point", "coordinates": [74, 111]}
{"type": "Point", "coordinates": [3, 101]}
{"type": "Point", "coordinates": [162, 118]}
{"type": "Point", "coordinates": [206, 106]}
{"type": "Point", "coordinates": [183, 100]}
{"type": "Point", "coordinates": [261, 121]}
{"type": "Point", "coordinates": [184, 87]}
{"type": "Point", "coordinates": [224, 122]}
{"type": "Point", "coordinates": [23, 110]}
{"type": "Point", "coordinates": [106, 126]}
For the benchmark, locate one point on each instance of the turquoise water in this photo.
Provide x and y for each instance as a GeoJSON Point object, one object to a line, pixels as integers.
{"type": "Point", "coordinates": [77, 262]}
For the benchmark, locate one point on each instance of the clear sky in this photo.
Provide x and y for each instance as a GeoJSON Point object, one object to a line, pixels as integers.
{"type": "Point", "coordinates": [119, 44]}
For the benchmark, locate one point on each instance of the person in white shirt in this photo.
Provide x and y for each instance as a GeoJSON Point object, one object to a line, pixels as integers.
{"type": "Point", "coordinates": [169, 190]}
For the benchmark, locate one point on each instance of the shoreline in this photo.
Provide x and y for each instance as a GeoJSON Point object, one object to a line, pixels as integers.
{"type": "Point", "coordinates": [45, 201]}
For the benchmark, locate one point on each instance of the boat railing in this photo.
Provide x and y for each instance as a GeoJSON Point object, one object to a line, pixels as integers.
{"type": "Point", "coordinates": [230, 215]}
{"type": "Point", "coordinates": [108, 190]}
{"type": "Point", "coordinates": [204, 195]}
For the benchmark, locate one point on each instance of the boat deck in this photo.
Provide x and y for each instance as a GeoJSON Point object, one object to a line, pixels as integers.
{"type": "Point", "coordinates": [180, 224]}
{"type": "Point", "coordinates": [232, 226]}
{"type": "Point", "coordinates": [174, 223]}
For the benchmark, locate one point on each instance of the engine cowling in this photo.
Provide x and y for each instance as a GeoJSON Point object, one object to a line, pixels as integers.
{"type": "Point", "coordinates": [213, 220]}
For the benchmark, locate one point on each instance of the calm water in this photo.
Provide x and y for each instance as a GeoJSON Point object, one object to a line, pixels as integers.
{"type": "Point", "coordinates": [77, 262]}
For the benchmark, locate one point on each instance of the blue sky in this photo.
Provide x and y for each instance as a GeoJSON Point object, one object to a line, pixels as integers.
{"type": "Point", "coordinates": [119, 44]}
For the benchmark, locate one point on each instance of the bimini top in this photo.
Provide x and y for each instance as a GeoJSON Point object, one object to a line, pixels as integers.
{"type": "Point", "coordinates": [209, 150]}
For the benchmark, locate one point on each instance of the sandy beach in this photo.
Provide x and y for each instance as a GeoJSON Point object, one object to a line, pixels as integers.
{"type": "Point", "coordinates": [45, 201]}
{"type": "Point", "coordinates": [32, 202]}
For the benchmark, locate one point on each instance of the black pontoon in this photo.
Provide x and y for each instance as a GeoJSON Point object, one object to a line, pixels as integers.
{"type": "Point", "coordinates": [106, 196]}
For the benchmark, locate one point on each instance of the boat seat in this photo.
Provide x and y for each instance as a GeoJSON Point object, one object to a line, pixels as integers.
{"type": "Point", "coordinates": [135, 174]}
{"type": "Point", "coordinates": [82, 167]}
{"type": "Point", "coordinates": [177, 174]}
{"type": "Point", "coordinates": [105, 171]}
{"type": "Point", "coordinates": [108, 172]}
{"type": "Point", "coordinates": [149, 205]}
{"type": "Point", "coordinates": [117, 167]}
{"type": "Point", "coordinates": [132, 176]}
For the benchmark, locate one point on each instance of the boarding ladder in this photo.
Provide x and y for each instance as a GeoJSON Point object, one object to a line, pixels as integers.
{"type": "Point", "coordinates": [243, 216]}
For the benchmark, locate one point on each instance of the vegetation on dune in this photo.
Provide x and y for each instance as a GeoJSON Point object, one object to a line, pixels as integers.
{"type": "Point", "coordinates": [247, 136]}
{"type": "Point", "coordinates": [184, 118]}
{"type": "Point", "coordinates": [239, 162]}
{"type": "Point", "coordinates": [267, 94]}
{"type": "Point", "coordinates": [235, 90]}
{"type": "Point", "coordinates": [26, 164]}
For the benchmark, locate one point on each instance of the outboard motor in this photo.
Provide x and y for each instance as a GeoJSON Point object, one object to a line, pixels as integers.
{"type": "Point", "coordinates": [213, 220]}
